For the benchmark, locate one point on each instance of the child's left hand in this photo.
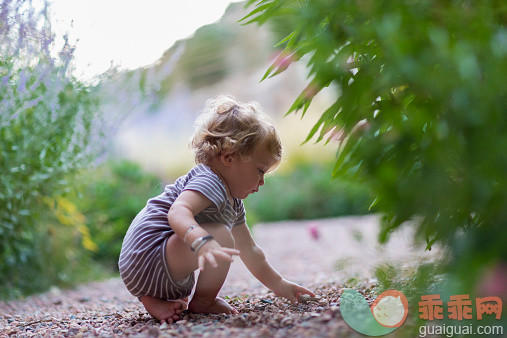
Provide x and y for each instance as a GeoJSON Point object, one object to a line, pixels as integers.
{"type": "Point", "coordinates": [291, 291]}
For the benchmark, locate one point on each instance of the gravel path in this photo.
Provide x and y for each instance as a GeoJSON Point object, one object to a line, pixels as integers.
{"type": "Point", "coordinates": [345, 247]}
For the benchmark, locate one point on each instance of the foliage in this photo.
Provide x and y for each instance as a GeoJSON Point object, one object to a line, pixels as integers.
{"type": "Point", "coordinates": [110, 197]}
{"type": "Point", "coordinates": [46, 123]}
{"type": "Point", "coordinates": [428, 278]}
{"type": "Point", "coordinates": [421, 109]}
{"type": "Point", "coordinates": [413, 282]}
{"type": "Point", "coordinates": [306, 193]}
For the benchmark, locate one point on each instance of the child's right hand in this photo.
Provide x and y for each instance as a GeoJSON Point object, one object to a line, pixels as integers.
{"type": "Point", "coordinates": [211, 251]}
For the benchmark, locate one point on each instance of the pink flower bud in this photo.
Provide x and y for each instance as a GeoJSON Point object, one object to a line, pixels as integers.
{"type": "Point", "coordinates": [313, 230]}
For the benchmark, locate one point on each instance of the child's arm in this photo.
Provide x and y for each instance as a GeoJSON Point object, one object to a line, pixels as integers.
{"type": "Point", "coordinates": [255, 261]}
{"type": "Point", "coordinates": [181, 217]}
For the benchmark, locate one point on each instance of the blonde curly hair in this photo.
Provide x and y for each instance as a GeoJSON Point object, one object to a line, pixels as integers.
{"type": "Point", "coordinates": [228, 126]}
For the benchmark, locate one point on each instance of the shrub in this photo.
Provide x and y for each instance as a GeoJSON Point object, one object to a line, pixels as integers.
{"type": "Point", "coordinates": [421, 107]}
{"type": "Point", "coordinates": [46, 124]}
{"type": "Point", "coordinates": [110, 198]}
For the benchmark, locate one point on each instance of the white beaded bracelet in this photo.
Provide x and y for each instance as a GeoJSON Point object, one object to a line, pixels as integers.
{"type": "Point", "coordinates": [192, 227]}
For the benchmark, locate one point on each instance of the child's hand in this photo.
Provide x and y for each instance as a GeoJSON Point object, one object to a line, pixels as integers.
{"type": "Point", "coordinates": [210, 251]}
{"type": "Point", "coordinates": [291, 291]}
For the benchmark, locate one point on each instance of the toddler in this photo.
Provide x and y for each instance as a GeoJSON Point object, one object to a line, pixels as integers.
{"type": "Point", "coordinates": [199, 221]}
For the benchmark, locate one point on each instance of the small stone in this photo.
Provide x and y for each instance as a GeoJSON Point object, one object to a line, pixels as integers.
{"type": "Point", "coordinates": [286, 321]}
{"type": "Point", "coordinates": [239, 321]}
{"type": "Point", "coordinates": [73, 331]}
{"type": "Point", "coordinates": [305, 299]}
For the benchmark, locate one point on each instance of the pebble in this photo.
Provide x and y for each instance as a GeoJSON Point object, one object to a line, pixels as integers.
{"type": "Point", "coordinates": [73, 331]}
{"type": "Point", "coordinates": [305, 299]}
{"type": "Point", "coordinates": [261, 314]}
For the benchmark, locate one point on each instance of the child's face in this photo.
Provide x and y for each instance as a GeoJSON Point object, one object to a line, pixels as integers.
{"type": "Point", "coordinates": [244, 177]}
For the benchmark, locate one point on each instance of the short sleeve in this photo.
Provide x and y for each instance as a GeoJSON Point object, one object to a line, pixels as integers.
{"type": "Point", "coordinates": [211, 187]}
{"type": "Point", "coordinates": [240, 212]}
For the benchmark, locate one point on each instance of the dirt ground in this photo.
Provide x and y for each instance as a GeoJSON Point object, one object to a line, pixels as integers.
{"type": "Point", "coordinates": [320, 255]}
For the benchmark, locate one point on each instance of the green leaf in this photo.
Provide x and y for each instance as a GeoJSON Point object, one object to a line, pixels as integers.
{"type": "Point", "coordinates": [281, 63]}
{"type": "Point", "coordinates": [373, 204]}
{"type": "Point", "coordinates": [289, 38]}
{"type": "Point", "coordinates": [325, 119]}
{"type": "Point", "coordinates": [255, 11]}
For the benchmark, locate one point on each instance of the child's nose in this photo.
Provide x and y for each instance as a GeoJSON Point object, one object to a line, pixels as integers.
{"type": "Point", "coordinates": [261, 182]}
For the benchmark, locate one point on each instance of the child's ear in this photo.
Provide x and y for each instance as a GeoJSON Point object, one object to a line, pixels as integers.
{"type": "Point", "coordinates": [227, 159]}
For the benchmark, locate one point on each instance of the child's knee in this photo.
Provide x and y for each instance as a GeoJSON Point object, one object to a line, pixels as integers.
{"type": "Point", "coordinates": [221, 233]}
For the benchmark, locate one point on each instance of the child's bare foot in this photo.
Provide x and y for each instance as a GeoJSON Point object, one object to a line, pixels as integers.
{"type": "Point", "coordinates": [217, 305]}
{"type": "Point", "coordinates": [164, 310]}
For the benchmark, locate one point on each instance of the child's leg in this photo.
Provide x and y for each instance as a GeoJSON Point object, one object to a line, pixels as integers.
{"type": "Point", "coordinates": [211, 279]}
{"type": "Point", "coordinates": [209, 283]}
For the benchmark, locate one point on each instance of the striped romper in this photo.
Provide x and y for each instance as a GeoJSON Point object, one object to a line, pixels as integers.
{"type": "Point", "coordinates": [143, 265]}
